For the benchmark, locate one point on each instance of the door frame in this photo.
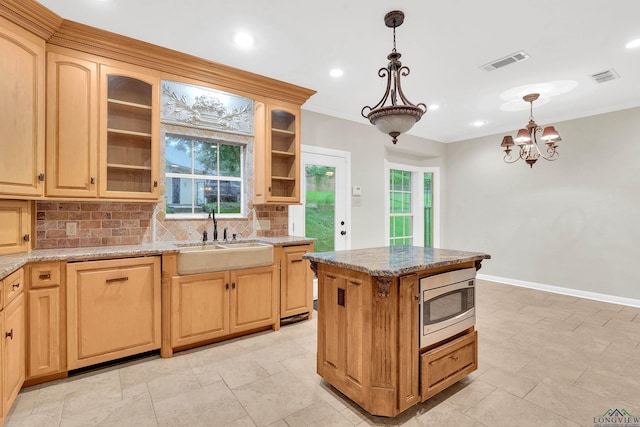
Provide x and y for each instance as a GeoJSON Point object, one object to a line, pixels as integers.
{"type": "Point", "coordinates": [296, 212]}
{"type": "Point", "coordinates": [417, 189]}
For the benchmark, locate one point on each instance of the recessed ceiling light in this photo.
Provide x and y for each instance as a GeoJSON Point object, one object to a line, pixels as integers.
{"type": "Point", "coordinates": [479, 123]}
{"type": "Point", "coordinates": [632, 44]}
{"type": "Point", "coordinates": [336, 72]}
{"type": "Point", "coordinates": [433, 107]}
{"type": "Point", "coordinates": [243, 39]}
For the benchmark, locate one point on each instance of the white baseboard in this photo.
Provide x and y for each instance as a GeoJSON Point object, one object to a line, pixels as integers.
{"type": "Point", "coordinates": [564, 291]}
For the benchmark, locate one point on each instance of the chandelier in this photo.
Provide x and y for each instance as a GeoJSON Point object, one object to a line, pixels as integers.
{"type": "Point", "coordinates": [394, 119]}
{"type": "Point", "coordinates": [527, 140]}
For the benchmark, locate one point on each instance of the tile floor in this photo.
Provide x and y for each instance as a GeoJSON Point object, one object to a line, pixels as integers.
{"type": "Point", "coordinates": [545, 360]}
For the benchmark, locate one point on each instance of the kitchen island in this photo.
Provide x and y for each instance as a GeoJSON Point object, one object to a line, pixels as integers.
{"type": "Point", "coordinates": [368, 326]}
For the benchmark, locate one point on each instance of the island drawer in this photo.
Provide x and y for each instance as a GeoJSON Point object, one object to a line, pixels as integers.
{"type": "Point", "coordinates": [445, 365]}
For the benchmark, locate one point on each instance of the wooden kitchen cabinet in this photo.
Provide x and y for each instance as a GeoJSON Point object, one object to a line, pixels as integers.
{"type": "Point", "coordinates": [72, 125]}
{"type": "Point", "coordinates": [13, 339]}
{"type": "Point", "coordinates": [277, 153]}
{"type": "Point", "coordinates": [296, 281]}
{"type": "Point", "coordinates": [209, 306]}
{"type": "Point", "coordinates": [15, 226]}
{"type": "Point", "coordinates": [129, 132]}
{"type": "Point", "coordinates": [113, 309]}
{"type": "Point", "coordinates": [254, 298]}
{"type": "Point", "coordinates": [46, 317]}
{"type": "Point", "coordinates": [200, 308]}
{"type": "Point", "coordinates": [22, 107]}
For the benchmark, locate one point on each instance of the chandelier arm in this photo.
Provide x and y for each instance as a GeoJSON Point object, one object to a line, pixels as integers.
{"type": "Point", "coordinates": [382, 72]}
{"type": "Point", "coordinates": [404, 71]}
{"type": "Point", "coordinates": [552, 154]}
{"type": "Point", "coordinates": [507, 158]}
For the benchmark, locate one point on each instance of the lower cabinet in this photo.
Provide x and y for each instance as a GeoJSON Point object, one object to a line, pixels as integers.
{"type": "Point", "coordinates": [213, 305]}
{"type": "Point", "coordinates": [296, 281]}
{"type": "Point", "coordinates": [12, 344]}
{"type": "Point", "coordinates": [46, 317]}
{"type": "Point", "coordinates": [113, 309]}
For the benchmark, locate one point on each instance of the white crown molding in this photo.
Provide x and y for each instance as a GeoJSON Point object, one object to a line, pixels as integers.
{"type": "Point", "coordinates": [613, 299]}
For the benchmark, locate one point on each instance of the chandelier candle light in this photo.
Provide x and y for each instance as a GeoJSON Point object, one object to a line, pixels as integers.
{"type": "Point", "coordinates": [527, 140]}
{"type": "Point", "coordinates": [396, 118]}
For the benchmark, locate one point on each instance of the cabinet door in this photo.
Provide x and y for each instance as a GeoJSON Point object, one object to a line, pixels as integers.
{"type": "Point", "coordinates": [200, 308]}
{"type": "Point", "coordinates": [72, 126]}
{"type": "Point", "coordinates": [129, 133]}
{"type": "Point", "coordinates": [253, 298]}
{"type": "Point", "coordinates": [15, 224]}
{"type": "Point", "coordinates": [296, 282]}
{"type": "Point", "coordinates": [44, 356]}
{"type": "Point", "coordinates": [113, 309]}
{"type": "Point", "coordinates": [278, 164]}
{"type": "Point", "coordinates": [22, 112]}
{"type": "Point", "coordinates": [14, 350]}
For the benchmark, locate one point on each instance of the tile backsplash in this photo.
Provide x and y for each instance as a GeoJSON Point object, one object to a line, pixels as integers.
{"type": "Point", "coordinates": [125, 223]}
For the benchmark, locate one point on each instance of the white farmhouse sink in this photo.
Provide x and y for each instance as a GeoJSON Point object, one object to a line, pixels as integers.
{"type": "Point", "coordinates": [222, 257]}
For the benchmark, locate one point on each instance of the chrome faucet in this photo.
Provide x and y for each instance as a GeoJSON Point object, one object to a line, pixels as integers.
{"type": "Point", "coordinates": [224, 234]}
{"type": "Point", "coordinates": [212, 215]}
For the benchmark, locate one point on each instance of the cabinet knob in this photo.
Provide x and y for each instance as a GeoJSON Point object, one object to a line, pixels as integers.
{"type": "Point", "coordinates": [41, 177]}
{"type": "Point", "coordinates": [455, 358]}
{"type": "Point", "coordinates": [155, 184]}
{"type": "Point", "coordinates": [44, 276]}
{"type": "Point", "coordinates": [9, 334]}
{"type": "Point", "coordinates": [26, 237]}
{"type": "Point", "coordinates": [16, 286]}
{"type": "Point", "coordinates": [227, 286]}
{"type": "Point", "coordinates": [417, 297]}
{"type": "Point", "coordinates": [233, 285]}
{"type": "Point", "coordinates": [93, 179]}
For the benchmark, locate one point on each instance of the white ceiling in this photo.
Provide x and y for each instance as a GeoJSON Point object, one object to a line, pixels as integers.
{"type": "Point", "coordinates": [443, 42]}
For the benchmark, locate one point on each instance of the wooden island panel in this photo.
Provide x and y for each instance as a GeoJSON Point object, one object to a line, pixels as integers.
{"type": "Point", "coordinates": [368, 327]}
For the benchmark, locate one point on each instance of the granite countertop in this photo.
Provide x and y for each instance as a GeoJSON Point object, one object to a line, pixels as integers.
{"type": "Point", "coordinates": [394, 260]}
{"type": "Point", "coordinates": [9, 263]}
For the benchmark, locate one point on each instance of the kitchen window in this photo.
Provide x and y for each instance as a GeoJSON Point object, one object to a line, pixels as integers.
{"type": "Point", "coordinates": [203, 175]}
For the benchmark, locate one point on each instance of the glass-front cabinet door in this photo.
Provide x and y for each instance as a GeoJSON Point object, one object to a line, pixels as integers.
{"type": "Point", "coordinates": [129, 137]}
{"type": "Point", "coordinates": [278, 168]}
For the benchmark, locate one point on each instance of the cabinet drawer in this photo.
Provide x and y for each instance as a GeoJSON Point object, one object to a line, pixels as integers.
{"type": "Point", "coordinates": [44, 275]}
{"type": "Point", "coordinates": [13, 285]}
{"type": "Point", "coordinates": [445, 365]}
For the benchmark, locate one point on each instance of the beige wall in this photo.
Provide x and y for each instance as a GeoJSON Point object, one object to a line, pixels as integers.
{"type": "Point", "coordinates": [368, 148]}
{"type": "Point", "coordinates": [573, 223]}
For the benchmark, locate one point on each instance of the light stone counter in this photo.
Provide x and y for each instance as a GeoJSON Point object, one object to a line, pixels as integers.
{"type": "Point", "coordinates": [393, 261]}
{"type": "Point", "coordinates": [9, 263]}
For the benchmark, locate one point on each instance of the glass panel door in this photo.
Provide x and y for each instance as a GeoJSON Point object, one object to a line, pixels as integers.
{"type": "Point", "coordinates": [323, 214]}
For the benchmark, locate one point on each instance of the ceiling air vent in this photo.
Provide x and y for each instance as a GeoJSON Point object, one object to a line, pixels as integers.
{"type": "Point", "coordinates": [510, 59]}
{"type": "Point", "coordinates": [605, 76]}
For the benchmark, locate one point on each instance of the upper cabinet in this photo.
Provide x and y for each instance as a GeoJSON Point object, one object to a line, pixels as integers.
{"type": "Point", "coordinates": [72, 126]}
{"type": "Point", "coordinates": [129, 133]}
{"type": "Point", "coordinates": [102, 128]}
{"type": "Point", "coordinates": [277, 159]}
{"type": "Point", "coordinates": [22, 106]}
{"type": "Point", "coordinates": [103, 112]}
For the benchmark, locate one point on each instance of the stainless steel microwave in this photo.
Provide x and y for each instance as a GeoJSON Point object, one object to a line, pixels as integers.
{"type": "Point", "coordinates": [447, 305]}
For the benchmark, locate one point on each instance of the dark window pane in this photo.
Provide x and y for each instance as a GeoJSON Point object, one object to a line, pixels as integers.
{"type": "Point", "coordinates": [178, 155]}
{"type": "Point", "coordinates": [206, 158]}
{"type": "Point", "coordinates": [230, 197]}
{"type": "Point", "coordinates": [230, 160]}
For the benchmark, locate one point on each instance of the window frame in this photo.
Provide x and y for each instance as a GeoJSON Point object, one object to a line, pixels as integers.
{"type": "Point", "coordinates": [417, 201]}
{"type": "Point", "coordinates": [194, 177]}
